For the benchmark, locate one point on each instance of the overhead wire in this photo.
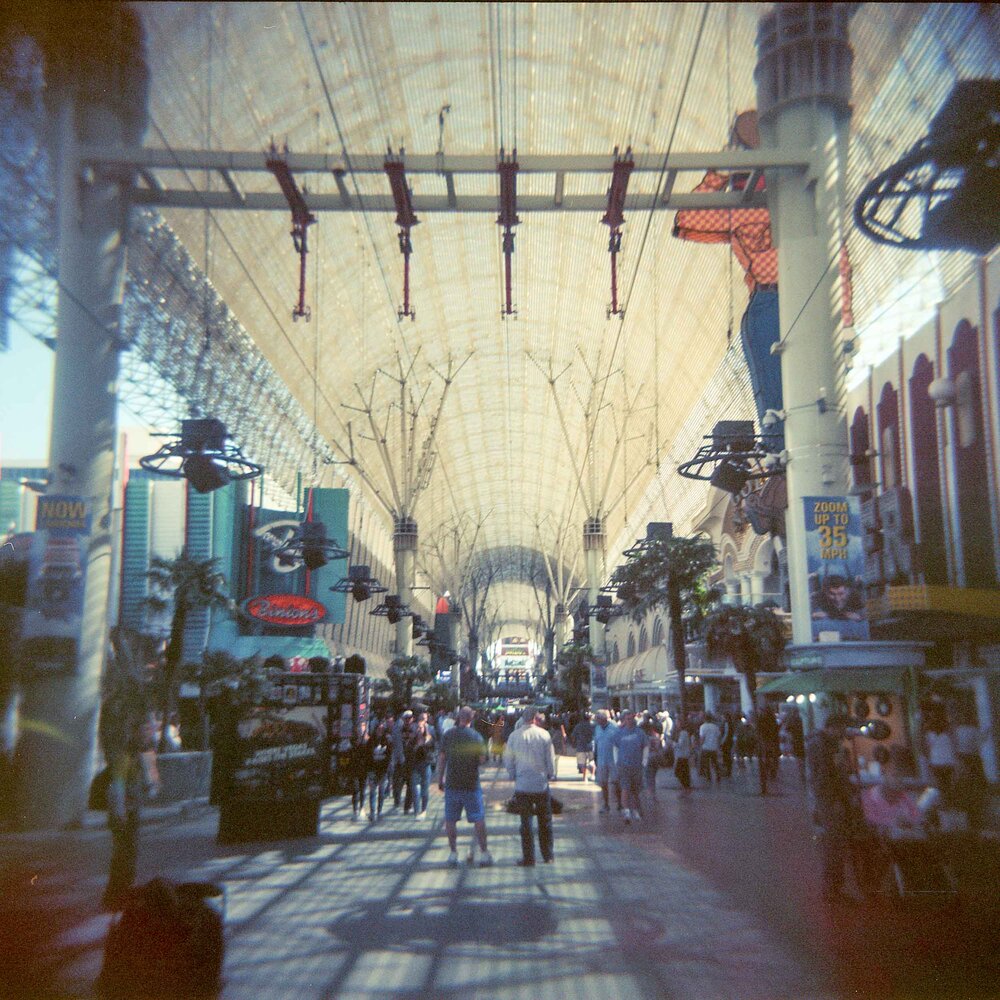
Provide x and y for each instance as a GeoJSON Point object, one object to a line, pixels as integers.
{"type": "Point", "coordinates": [652, 209]}
{"type": "Point", "coordinates": [403, 345]}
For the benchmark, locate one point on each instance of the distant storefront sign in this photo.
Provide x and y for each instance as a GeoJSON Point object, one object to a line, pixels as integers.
{"type": "Point", "coordinates": [288, 610]}
{"type": "Point", "coordinates": [835, 562]}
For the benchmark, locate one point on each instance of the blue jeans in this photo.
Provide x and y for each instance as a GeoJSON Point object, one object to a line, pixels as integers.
{"type": "Point", "coordinates": [377, 782]}
{"type": "Point", "coordinates": [420, 779]}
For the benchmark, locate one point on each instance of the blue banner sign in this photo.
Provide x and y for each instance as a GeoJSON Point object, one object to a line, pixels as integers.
{"type": "Point", "coordinates": [835, 561]}
{"type": "Point", "coordinates": [58, 570]}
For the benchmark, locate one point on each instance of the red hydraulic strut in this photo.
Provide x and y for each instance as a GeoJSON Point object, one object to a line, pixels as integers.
{"type": "Point", "coordinates": [508, 219]}
{"type": "Point", "coordinates": [302, 219]}
{"type": "Point", "coordinates": [406, 220]}
{"type": "Point", "coordinates": [614, 219]}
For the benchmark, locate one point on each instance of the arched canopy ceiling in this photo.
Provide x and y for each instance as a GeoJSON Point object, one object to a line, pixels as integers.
{"type": "Point", "coordinates": [514, 445]}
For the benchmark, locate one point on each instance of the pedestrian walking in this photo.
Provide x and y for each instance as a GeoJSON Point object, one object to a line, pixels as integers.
{"type": "Point", "coordinates": [604, 761]}
{"type": "Point", "coordinates": [631, 751]}
{"type": "Point", "coordinates": [377, 780]}
{"type": "Point", "coordinates": [832, 801]}
{"type": "Point", "coordinates": [400, 776]}
{"type": "Point", "coordinates": [582, 739]}
{"type": "Point", "coordinates": [711, 738]}
{"type": "Point", "coordinates": [418, 752]}
{"type": "Point", "coordinates": [682, 754]}
{"type": "Point", "coordinates": [462, 753]}
{"type": "Point", "coordinates": [530, 760]}
{"type": "Point", "coordinates": [768, 746]}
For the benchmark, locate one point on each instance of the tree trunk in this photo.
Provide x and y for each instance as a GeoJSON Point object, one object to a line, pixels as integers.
{"type": "Point", "coordinates": [171, 664]}
{"type": "Point", "coordinates": [676, 612]}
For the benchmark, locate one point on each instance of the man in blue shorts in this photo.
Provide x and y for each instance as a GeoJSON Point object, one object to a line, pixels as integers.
{"type": "Point", "coordinates": [462, 751]}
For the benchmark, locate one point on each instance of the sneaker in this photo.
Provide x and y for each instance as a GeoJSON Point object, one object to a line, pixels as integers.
{"type": "Point", "coordinates": [627, 815]}
{"type": "Point", "coordinates": [453, 859]}
{"type": "Point", "coordinates": [604, 810]}
{"type": "Point", "coordinates": [485, 859]}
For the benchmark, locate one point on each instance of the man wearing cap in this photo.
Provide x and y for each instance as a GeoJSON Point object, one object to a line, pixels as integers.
{"type": "Point", "coordinates": [462, 751]}
{"type": "Point", "coordinates": [530, 760]}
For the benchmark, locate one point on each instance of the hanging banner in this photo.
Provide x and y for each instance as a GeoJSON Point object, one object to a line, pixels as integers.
{"type": "Point", "coordinates": [277, 594]}
{"type": "Point", "coordinates": [271, 579]}
{"type": "Point", "coordinates": [835, 561]}
{"type": "Point", "coordinates": [598, 686]}
{"type": "Point", "coordinates": [58, 568]}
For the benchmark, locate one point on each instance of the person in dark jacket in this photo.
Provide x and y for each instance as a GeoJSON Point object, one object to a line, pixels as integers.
{"type": "Point", "coordinates": [377, 768]}
{"type": "Point", "coordinates": [832, 801]}
{"type": "Point", "coordinates": [418, 751]}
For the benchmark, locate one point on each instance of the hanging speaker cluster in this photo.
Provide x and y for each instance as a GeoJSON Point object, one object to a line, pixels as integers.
{"type": "Point", "coordinates": [203, 456]}
{"type": "Point", "coordinates": [359, 583]}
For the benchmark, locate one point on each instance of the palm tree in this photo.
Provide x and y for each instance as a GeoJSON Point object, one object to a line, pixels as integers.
{"type": "Point", "coordinates": [573, 679]}
{"type": "Point", "coordinates": [668, 573]}
{"type": "Point", "coordinates": [184, 584]}
{"type": "Point", "coordinates": [753, 637]}
{"type": "Point", "coordinates": [403, 673]}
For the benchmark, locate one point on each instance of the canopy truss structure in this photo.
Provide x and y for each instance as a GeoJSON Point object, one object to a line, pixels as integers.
{"type": "Point", "coordinates": [558, 90]}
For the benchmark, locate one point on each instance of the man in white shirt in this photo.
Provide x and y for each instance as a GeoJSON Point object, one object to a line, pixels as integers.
{"type": "Point", "coordinates": [710, 736]}
{"type": "Point", "coordinates": [531, 762]}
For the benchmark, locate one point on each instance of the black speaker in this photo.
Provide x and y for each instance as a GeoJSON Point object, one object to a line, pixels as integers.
{"type": "Point", "coordinates": [313, 544]}
{"type": "Point", "coordinates": [205, 474]}
{"type": "Point", "coordinates": [729, 476]}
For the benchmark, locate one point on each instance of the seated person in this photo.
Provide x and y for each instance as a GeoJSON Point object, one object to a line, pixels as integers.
{"type": "Point", "coordinates": [890, 808]}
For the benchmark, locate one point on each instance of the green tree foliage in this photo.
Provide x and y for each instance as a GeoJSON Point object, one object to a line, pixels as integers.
{"type": "Point", "coordinates": [181, 585]}
{"type": "Point", "coordinates": [440, 698]}
{"type": "Point", "coordinates": [218, 670]}
{"type": "Point", "coordinates": [669, 573]}
{"type": "Point", "coordinates": [404, 673]}
{"type": "Point", "coordinates": [753, 637]}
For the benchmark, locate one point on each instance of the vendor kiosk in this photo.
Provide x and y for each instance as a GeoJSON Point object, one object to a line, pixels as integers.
{"type": "Point", "coordinates": [289, 752]}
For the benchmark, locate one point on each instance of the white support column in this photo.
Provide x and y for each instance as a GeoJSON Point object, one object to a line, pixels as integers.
{"type": "Point", "coordinates": [803, 93]}
{"type": "Point", "coordinates": [404, 546]}
{"type": "Point", "coordinates": [711, 690]}
{"type": "Point", "coordinates": [562, 623]}
{"type": "Point", "coordinates": [746, 702]}
{"type": "Point", "coordinates": [757, 578]}
{"type": "Point", "coordinates": [594, 546]}
{"type": "Point", "coordinates": [96, 86]}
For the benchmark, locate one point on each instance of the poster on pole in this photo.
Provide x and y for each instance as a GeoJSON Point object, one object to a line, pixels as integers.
{"type": "Point", "coordinates": [58, 568]}
{"type": "Point", "coordinates": [835, 561]}
{"type": "Point", "coordinates": [598, 686]}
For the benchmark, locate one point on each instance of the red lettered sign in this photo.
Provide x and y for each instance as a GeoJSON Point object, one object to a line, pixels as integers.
{"type": "Point", "coordinates": [290, 610]}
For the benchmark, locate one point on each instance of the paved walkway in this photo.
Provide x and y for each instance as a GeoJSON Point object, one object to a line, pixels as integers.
{"type": "Point", "coordinates": [712, 895]}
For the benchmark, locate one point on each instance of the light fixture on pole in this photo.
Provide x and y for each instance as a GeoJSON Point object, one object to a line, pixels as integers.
{"type": "Point", "coordinates": [203, 456]}
{"type": "Point", "coordinates": [359, 583]}
{"type": "Point", "coordinates": [392, 608]}
{"type": "Point", "coordinates": [310, 545]}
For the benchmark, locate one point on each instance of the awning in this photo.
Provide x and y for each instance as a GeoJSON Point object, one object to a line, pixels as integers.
{"type": "Point", "coordinates": [841, 680]}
